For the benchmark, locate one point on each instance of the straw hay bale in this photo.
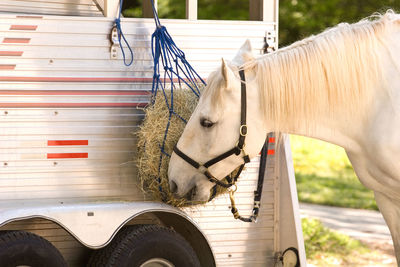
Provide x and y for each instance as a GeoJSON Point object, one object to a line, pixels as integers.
{"type": "Point", "coordinates": [153, 176]}
{"type": "Point", "coordinates": [150, 139]}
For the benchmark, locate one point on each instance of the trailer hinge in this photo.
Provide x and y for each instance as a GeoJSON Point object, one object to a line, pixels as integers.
{"type": "Point", "coordinates": [269, 42]}
{"type": "Point", "coordinates": [114, 43]}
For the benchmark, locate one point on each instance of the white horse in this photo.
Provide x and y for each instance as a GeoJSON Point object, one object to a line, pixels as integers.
{"type": "Point", "coordinates": [341, 86]}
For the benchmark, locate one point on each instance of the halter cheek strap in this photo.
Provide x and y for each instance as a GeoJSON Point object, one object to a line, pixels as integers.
{"type": "Point", "coordinates": [237, 150]}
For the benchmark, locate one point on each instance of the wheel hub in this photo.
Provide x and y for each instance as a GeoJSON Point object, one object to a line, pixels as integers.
{"type": "Point", "coordinates": [157, 262]}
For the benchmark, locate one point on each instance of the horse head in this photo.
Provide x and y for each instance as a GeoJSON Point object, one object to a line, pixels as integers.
{"type": "Point", "coordinates": [215, 128]}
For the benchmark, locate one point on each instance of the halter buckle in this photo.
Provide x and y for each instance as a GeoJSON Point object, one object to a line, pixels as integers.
{"type": "Point", "coordinates": [243, 130]}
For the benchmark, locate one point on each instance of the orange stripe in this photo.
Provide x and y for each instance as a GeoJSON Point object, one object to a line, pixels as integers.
{"type": "Point", "coordinates": [11, 53]}
{"type": "Point", "coordinates": [16, 40]}
{"type": "Point", "coordinates": [271, 140]}
{"type": "Point", "coordinates": [271, 152]}
{"type": "Point", "coordinates": [7, 66]}
{"type": "Point", "coordinates": [67, 142]}
{"type": "Point", "coordinates": [67, 155]}
{"type": "Point", "coordinates": [23, 27]}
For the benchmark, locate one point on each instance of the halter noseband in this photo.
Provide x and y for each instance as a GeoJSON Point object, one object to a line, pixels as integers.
{"type": "Point", "coordinates": [237, 150]}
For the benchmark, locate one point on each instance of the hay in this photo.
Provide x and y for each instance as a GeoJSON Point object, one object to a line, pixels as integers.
{"type": "Point", "coordinates": [150, 138]}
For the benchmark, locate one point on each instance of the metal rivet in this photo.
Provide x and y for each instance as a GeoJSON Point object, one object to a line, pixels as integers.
{"type": "Point", "coordinates": [55, 112]}
{"type": "Point", "coordinates": [5, 112]}
{"type": "Point", "coordinates": [55, 163]}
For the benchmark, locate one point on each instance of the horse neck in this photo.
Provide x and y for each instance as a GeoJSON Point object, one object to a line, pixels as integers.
{"type": "Point", "coordinates": [324, 95]}
{"type": "Point", "coordinates": [332, 130]}
{"type": "Point", "coordinates": [304, 113]}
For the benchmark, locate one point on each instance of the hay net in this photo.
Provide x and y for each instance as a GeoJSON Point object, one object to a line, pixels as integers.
{"type": "Point", "coordinates": [175, 92]}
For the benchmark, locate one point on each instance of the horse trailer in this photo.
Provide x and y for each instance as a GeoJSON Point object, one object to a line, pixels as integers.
{"type": "Point", "coordinates": [68, 111]}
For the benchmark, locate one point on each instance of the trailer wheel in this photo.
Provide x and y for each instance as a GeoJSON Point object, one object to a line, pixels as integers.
{"type": "Point", "coordinates": [146, 246]}
{"type": "Point", "coordinates": [19, 248]}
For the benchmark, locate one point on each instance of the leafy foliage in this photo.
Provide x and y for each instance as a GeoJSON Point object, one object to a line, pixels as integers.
{"type": "Point", "coordinates": [301, 18]}
{"type": "Point", "coordinates": [297, 18]}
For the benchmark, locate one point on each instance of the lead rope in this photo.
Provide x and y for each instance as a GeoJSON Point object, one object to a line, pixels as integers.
{"type": "Point", "coordinates": [171, 70]}
{"type": "Point", "coordinates": [257, 193]}
{"type": "Point", "coordinates": [120, 34]}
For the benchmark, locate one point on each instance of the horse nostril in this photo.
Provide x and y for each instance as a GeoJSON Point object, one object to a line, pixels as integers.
{"type": "Point", "coordinates": [173, 187]}
{"type": "Point", "coordinates": [191, 194]}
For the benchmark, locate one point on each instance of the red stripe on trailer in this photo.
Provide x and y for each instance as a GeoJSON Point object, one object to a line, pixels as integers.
{"type": "Point", "coordinates": [78, 79]}
{"type": "Point", "coordinates": [271, 152]}
{"type": "Point", "coordinates": [11, 53]}
{"type": "Point", "coordinates": [67, 142]}
{"type": "Point", "coordinates": [271, 140]}
{"type": "Point", "coordinates": [7, 66]}
{"type": "Point", "coordinates": [73, 105]}
{"type": "Point", "coordinates": [23, 27]}
{"type": "Point", "coordinates": [29, 17]}
{"type": "Point", "coordinates": [74, 79]}
{"type": "Point", "coordinates": [67, 155]}
{"type": "Point", "coordinates": [73, 92]}
{"type": "Point", "coordinates": [16, 40]}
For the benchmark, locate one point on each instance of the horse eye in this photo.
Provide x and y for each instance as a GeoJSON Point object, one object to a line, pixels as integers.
{"type": "Point", "coordinates": [206, 123]}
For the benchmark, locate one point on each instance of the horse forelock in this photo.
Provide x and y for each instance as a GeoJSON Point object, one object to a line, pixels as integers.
{"type": "Point", "coordinates": [321, 74]}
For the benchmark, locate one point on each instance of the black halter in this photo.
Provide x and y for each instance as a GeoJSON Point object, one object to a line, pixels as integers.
{"type": "Point", "coordinates": [237, 150]}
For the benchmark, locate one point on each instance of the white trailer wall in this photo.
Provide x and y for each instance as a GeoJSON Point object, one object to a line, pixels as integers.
{"type": "Point", "coordinates": [52, 7]}
{"type": "Point", "coordinates": [68, 111]}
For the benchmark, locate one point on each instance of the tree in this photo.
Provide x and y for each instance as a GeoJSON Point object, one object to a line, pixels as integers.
{"type": "Point", "coordinates": [297, 18]}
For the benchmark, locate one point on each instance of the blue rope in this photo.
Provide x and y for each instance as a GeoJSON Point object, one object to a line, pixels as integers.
{"type": "Point", "coordinates": [121, 35]}
{"type": "Point", "coordinates": [172, 61]}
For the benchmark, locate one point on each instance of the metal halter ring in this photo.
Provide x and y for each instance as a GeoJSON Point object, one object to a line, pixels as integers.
{"type": "Point", "coordinates": [243, 128]}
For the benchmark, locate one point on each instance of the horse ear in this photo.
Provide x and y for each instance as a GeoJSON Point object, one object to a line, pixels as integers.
{"type": "Point", "coordinates": [227, 74]}
{"type": "Point", "coordinates": [244, 54]}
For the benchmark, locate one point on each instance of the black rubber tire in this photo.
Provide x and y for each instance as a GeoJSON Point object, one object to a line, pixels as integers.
{"type": "Point", "coordinates": [24, 248]}
{"type": "Point", "coordinates": [134, 245]}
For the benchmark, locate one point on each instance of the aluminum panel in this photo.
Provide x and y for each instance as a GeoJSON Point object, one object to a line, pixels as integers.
{"type": "Point", "coordinates": [67, 114]}
{"type": "Point", "coordinates": [51, 7]}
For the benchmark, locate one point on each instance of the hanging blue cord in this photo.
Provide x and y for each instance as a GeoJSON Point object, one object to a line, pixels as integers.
{"type": "Point", "coordinates": [121, 35]}
{"type": "Point", "coordinates": [170, 60]}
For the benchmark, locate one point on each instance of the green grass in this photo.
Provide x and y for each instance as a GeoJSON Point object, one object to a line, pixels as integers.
{"type": "Point", "coordinates": [324, 175]}
{"type": "Point", "coordinates": [325, 247]}
{"type": "Point", "coordinates": [318, 239]}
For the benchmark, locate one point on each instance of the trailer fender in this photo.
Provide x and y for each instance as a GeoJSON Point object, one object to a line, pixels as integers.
{"type": "Point", "coordinates": [94, 224]}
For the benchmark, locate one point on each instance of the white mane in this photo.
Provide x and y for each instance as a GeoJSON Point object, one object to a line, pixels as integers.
{"type": "Point", "coordinates": [324, 73]}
